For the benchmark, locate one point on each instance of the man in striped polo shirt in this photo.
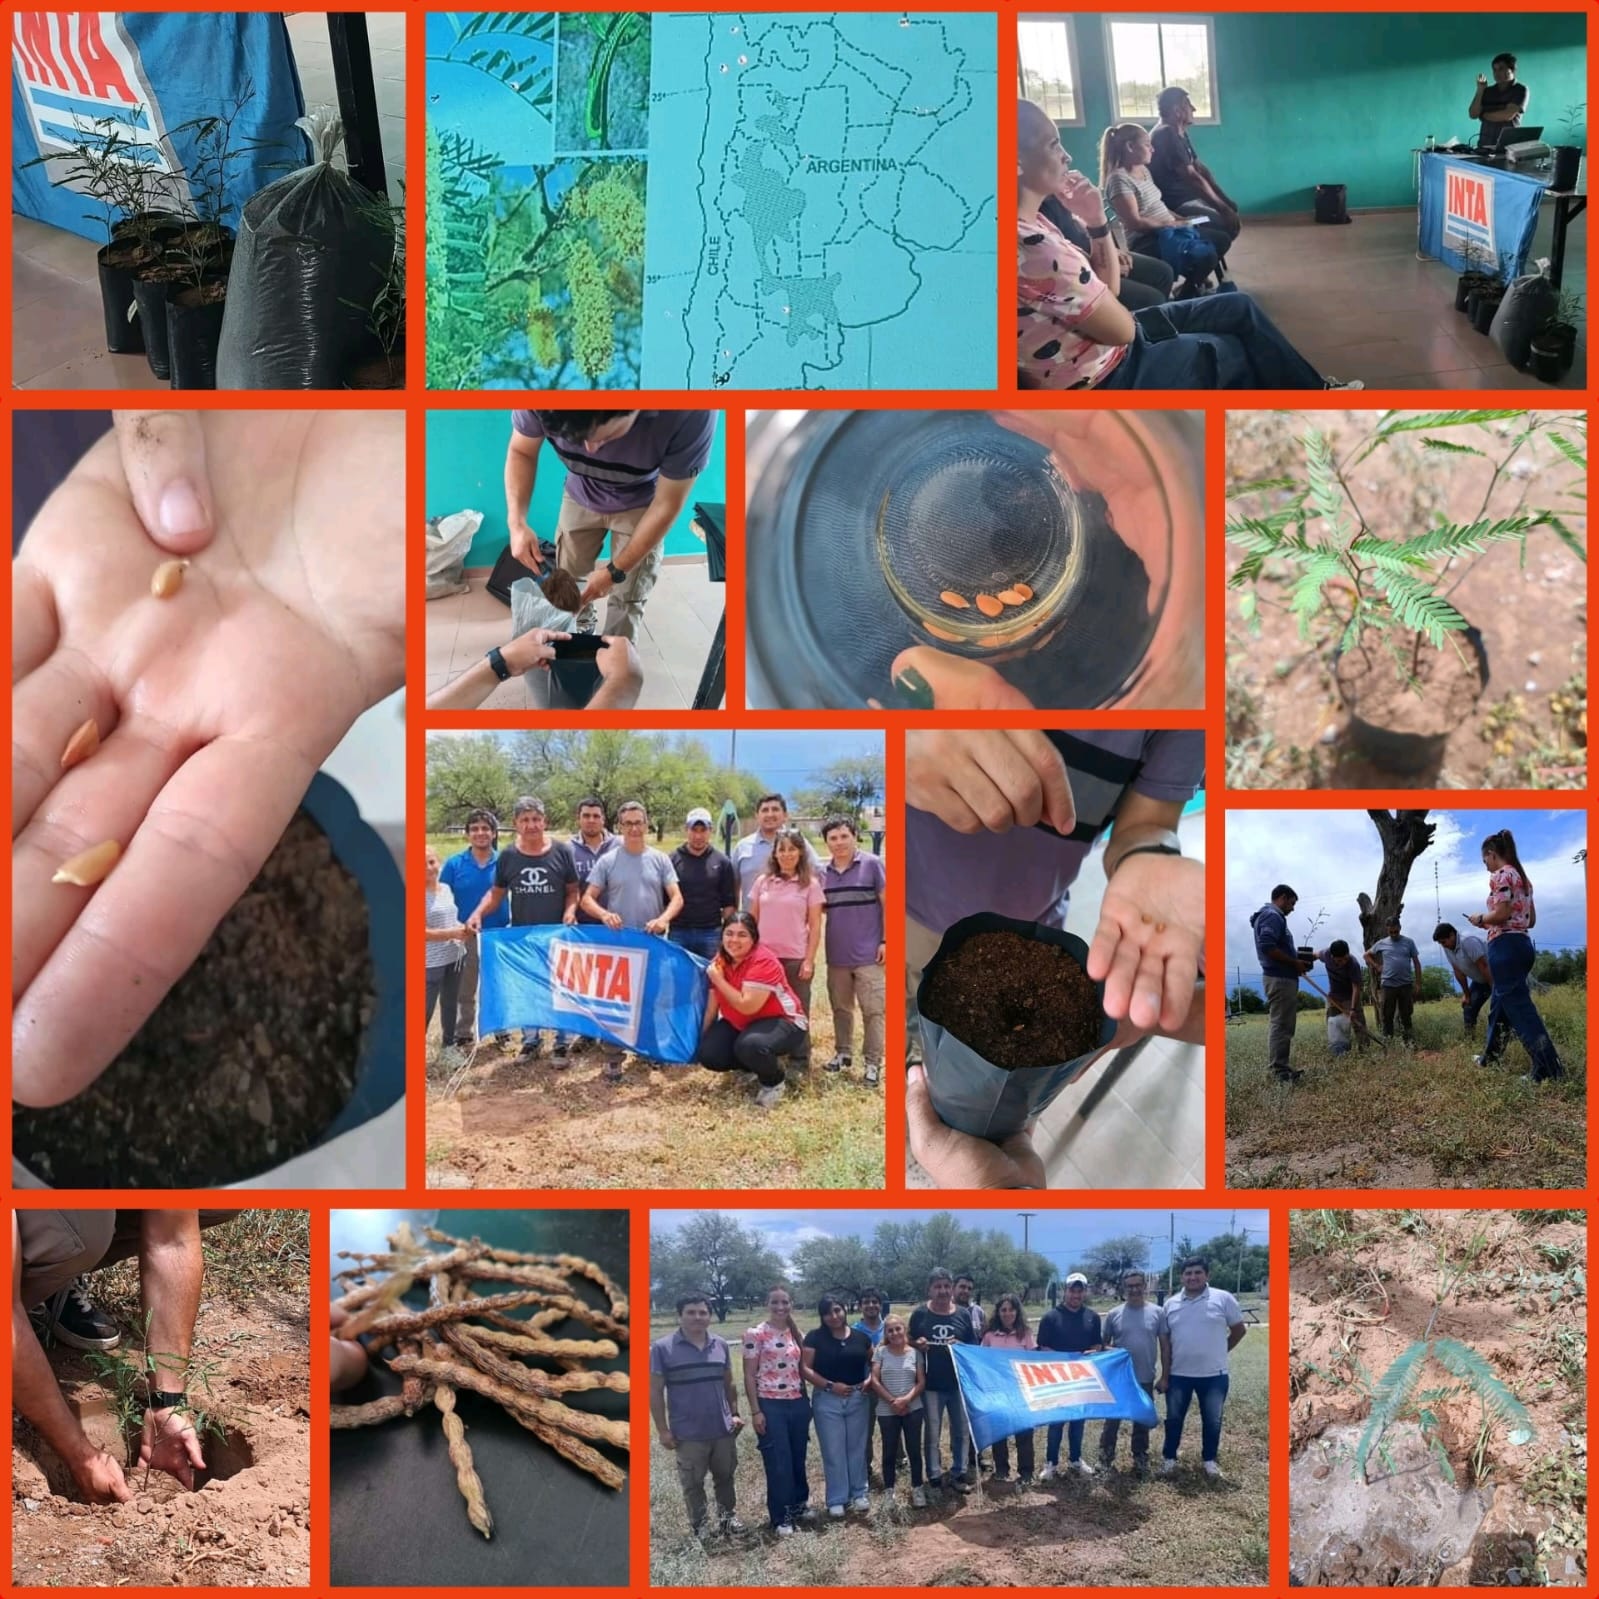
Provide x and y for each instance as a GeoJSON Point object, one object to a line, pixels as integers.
{"type": "Point", "coordinates": [628, 474]}
{"type": "Point", "coordinates": [852, 901]}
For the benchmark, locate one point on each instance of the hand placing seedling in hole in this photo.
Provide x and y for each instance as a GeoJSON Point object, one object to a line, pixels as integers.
{"type": "Point", "coordinates": [170, 1444]}
{"type": "Point", "coordinates": [214, 706]}
{"type": "Point", "coordinates": [1150, 942]}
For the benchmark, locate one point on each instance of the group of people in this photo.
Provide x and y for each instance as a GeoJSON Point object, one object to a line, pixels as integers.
{"type": "Point", "coordinates": [1097, 265]}
{"type": "Point", "coordinates": [898, 1370]}
{"type": "Point", "coordinates": [759, 918]}
{"type": "Point", "coordinates": [1491, 971]}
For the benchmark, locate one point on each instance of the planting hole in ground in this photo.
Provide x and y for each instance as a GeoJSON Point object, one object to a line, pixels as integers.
{"type": "Point", "coordinates": [224, 1457]}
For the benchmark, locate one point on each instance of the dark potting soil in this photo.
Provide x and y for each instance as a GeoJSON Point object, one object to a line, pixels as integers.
{"type": "Point", "coordinates": [378, 372]}
{"type": "Point", "coordinates": [1450, 681]}
{"type": "Point", "coordinates": [1016, 1001]}
{"type": "Point", "coordinates": [208, 293]}
{"type": "Point", "coordinates": [250, 1057]}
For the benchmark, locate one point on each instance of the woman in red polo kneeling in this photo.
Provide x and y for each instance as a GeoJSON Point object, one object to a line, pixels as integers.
{"type": "Point", "coordinates": [752, 1018]}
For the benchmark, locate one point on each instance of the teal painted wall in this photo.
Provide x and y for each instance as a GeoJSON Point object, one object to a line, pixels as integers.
{"type": "Point", "coordinates": [466, 472]}
{"type": "Point", "coordinates": [1328, 97]}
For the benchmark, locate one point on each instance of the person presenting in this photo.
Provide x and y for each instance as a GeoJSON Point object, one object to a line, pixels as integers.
{"type": "Point", "coordinates": [1398, 961]}
{"type": "Point", "coordinates": [1140, 1328]}
{"type": "Point", "coordinates": [694, 1404]}
{"type": "Point", "coordinates": [1204, 1325]}
{"type": "Point", "coordinates": [1346, 1007]}
{"type": "Point", "coordinates": [1186, 184]}
{"type": "Point", "coordinates": [1280, 971]}
{"type": "Point", "coordinates": [1468, 960]}
{"type": "Point", "coordinates": [629, 475]}
{"type": "Point", "coordinates": [1073, 1328]}
{"type": "Point", "coordinates": [1499, 106]}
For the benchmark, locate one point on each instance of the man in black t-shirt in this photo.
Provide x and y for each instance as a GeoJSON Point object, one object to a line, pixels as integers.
{"type": "Point", "coordinates": [1183, 179]}
{"type": "Point", "coordinates": [709, 885]}
{"type": "Point", "coordinates": [1499, 106]}
{"type": "Point", "coordinates": [933, 1328]}
{"type": "Point", "coordinates": [1071, 1328]}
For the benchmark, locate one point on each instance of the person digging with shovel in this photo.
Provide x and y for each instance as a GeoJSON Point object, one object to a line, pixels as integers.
{"type": "Point", "coordinates": [1346, 1011]}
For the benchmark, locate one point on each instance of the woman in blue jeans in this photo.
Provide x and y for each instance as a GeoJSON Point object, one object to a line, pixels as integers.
{"type": "Point", "coordinates": [838, 1366]}
{"type": "Point", "coordinates": [779, 1410]}
{"type": "Point", "coordinates": [1510, 916]}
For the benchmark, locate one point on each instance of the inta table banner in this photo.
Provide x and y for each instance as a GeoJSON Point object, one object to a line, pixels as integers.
{"type": "Point", "coordinates": [1487, 211]}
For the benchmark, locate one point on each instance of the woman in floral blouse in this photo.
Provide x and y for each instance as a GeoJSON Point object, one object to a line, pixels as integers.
{"type": "Point", "coordinates": [780, 1411]}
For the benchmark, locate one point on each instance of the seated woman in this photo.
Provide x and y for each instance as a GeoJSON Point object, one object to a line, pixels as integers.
{"type": "Point", "coordinates": [752, 1018]}
{"type": "Point", "coordinates": [1152, 227]}
{"type": "Point", "coordinates": [1146, 279]}
{"type": "Point", "coordinates": [1073, 334]}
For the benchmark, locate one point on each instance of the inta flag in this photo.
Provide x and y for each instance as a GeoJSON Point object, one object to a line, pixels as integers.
{"type": "Point", "coordinates": [1008, 1391]}
{"type": "Point", "coordinates": [626, 988]}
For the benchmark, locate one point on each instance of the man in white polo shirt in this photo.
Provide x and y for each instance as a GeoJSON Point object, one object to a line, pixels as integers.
{"type": "Point", "coordinates": [1204, 1325]}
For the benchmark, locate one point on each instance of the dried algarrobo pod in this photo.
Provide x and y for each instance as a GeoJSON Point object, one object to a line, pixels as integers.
{"type": "Point", "coordinates": [167, 579]}
{"type": "Point", "coordinates": [86, 868]}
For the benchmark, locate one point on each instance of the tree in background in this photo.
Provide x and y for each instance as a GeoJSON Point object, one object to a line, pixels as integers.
{"type": "Point", "coordinates": [852, 784]}
{"type": "Point", "coordinates": [1109, 1259]}
{"type": "Point", "coordinates": [1405, 835]}
{"type": "Point", "coordinates": [714, 1255]}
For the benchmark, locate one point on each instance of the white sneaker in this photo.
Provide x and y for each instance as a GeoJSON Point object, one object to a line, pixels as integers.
{"type": "Point", "coordinates": [767, 1100]}
{"type": "Point", "coordinates": [863, 1504]}
{"type": "Point", "coordinates": [784, 1530]}
{"type": "Point", "coordinates": [919, 1498]}
{"type": "Point", "coordinates": [836, 1512]}
{"type": "Point", "coordinates": [1082, 1468]}
{"type": "Point", "coordinates": [1168, 1468]}
{"type": "Point", "coordinates": [1049, 1474]}
{"type": "Point", "coordinates": [1212, 1469]}
{"type": "Point", "coordinates": [1342, 383]}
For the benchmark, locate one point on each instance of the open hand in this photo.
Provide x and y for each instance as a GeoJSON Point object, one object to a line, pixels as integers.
{"type": "Point", "coordinates": [100, 1480]}
{"type": "Point", "coordinates": [1150, 943]}
{"type": "Point", "coordinates": [169, 1444]}
{"type": "Point", "coordinates": [215, 707]}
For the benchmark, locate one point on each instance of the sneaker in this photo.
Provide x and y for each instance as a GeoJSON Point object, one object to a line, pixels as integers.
{"type": "Point", "coordinates": [1082, 1468]}
{"type": "Point", "coordinates": [1025, 1480]}
{"type": "Point", "coordinates": [863, 1504]}
{"type": "Point", "coordinates": [935, 1485]}
{"type": "Point", "coordinates": [732, 1527]}
{"type": "Point", "coordinates": [1141, 1466]}
{"type": "Point", "coordinates": [530, 1047]}
{"type": "Point", "coordinates": [560, 1060]}
{"type": "Point", "coordinates": [1001, 1475]}
{"type": "Point", "coordinates": [836, 1512]}
{"type": "Point", "coordinates": [612, 1072]}
{"type": "Point", "coordinates": [961, 1485]}
{"type": "Point", "coordinates": [1290, 1076]}
{"type": "Point", "coordinates": [72, 1318]}
{"type": "Point", "coordinates": [450, 1057]}
{"type": "Point", "coordinates": [1107, 1463]}
{"type": "Point", "coordinates": [839, 1063]}
{"type": "Point", "coordinates": [1212, 1470]}
{"type": "Point", "coordinates": [1049, 1474]}
{"type": "Point", "coordinates": [784, 1529]}
{"type": "Point", "coordinates": [807, 1514]}
{"type": "Point", "coordinates": [919, 1498]}
{"type": "Point", "coordinates": [768, 1098]}
{"type": "Point", "coordinates": [467, 1044]}
{"type": "Point", "coordinates": [1168, 1468]}
{"type": "Point", "coordinates": [873, 1074]}
{"type": "Point", "coordinates": [1342, 383]}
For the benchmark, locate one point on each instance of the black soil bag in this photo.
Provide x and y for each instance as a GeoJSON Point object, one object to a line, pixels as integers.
{"type": "Point", "coordinates": [969, 1092]}
{"type": "Point", "coordinates": [312, 254]}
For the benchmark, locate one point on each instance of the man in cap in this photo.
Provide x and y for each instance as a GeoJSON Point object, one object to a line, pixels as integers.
{"type": "Point", "coordinates": [1072, 1328]}
{"type": "Point", "coordinates": [709, 885]}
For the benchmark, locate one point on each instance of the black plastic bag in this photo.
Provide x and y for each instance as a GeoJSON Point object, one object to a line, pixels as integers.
{"type": "Point", "coordinates": [971, 1094]}
{"type": "Point", "coordinates": [313, 253]}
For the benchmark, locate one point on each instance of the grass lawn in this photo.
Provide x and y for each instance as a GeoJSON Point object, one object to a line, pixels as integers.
{"type": "Point", "coordinates": [1104, 1531]}
{"type": "Point", "coordinates": [1398, 1119]}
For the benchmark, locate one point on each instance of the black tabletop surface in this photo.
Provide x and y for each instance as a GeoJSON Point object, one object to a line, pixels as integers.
{"type": "Point", "coordinates": [397, 1518]}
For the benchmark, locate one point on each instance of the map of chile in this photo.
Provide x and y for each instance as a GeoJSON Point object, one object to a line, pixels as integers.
{"type": "Point", "coordinates": [619, 30]}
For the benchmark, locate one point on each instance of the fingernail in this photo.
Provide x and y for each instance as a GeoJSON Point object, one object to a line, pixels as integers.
{"type": "Point", "coordinates": [180, 512]}
{"type": "Point", "coordinates": [913, 691]}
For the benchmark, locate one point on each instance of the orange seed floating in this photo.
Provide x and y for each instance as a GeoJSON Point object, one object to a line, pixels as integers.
{"type": "Point", "coordinates": [959, 601]}
{"type": "Point", "coordinates": [988, 605]}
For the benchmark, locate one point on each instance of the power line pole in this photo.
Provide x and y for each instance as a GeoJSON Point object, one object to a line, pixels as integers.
{"type": "Point", "coordinates": [1026, 1216]}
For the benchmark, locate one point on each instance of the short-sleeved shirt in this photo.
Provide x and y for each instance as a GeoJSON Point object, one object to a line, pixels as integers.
{"type": "Point", "coordinates": [1468, 950]}
{"type": "Point", "coordinates": [621, 475]}
{"type": "Point", "coordinates": [1056, 289]}
{"type": "Point", "coordinates": [469, 882]}
{"type": "Point", "coordinates": [1172, 165]}
{"type": "Point", "coordinates": [1070, 1331]}
{"type": "Point", "coordinates": [1508, 886]}
{"type": "Point", "coordinates": [995, 1339]}
{"type": "Point", "coordinates": [762, 969]}
{"type": "Point", "coordinates": [846, 1360]}
{"type": "Point", "coordinates": [697, 1408]}
{"type": "Point", "coordinates": [953, 1326]}
{"type": "Point", "coordinates": [536, 884]}
{"type": "Point", "coordinates": [777, 1361]}
{"type": "Point", "coordinates": [1139, 1333]}
{"type": "Point", "coordinates": [1198, 1331]}
{"type": "Point", "coordinates": [1147, 196]}
{"type": "Point", "coordinates": [1029, 870]}
{"type": "Point", "coordinates": [852, 899]}
{"type": "Point", "coordinates": [634, 887]}
{"type": "Point", "coordinates": [441, 913]}
{"type": "Point", "coordinates": [1495, 97]}
{"type": "Point", "coordinates": [782, 906]}
{"type": "Point", "coordinates": [709, 886]}
{"type": "Point", "coordinates": [749, 861]}
{"type": "Point", "coordinates": [1343, 976]}
{"type": "Point", "coordinates": [1399, 957]}
{"type": "Point", "coordinates": [583, 858]}
{"type": "Point", "coordinates": [897, 1373]}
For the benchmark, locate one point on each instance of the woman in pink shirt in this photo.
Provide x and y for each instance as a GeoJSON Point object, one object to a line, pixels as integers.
{"type": "Point", "coordinates": [1010, 1331]}
{"type": "Point", "coordinates": [787, 903]}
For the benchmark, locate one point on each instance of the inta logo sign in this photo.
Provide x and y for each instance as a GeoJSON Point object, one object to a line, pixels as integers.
{"type": "Point", "coordinates": [1048, 1384]}
{"type": "Point", "coordinates": [1469, 212]}
{"type": "Point", "coordinates": [602, 982]}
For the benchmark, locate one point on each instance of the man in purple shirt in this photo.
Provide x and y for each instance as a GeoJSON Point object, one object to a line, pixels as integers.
{"type": "Point", "coordinates": [1002, 820]}
{"type": "Point", "coordinates": [852, 901]}
{"type": "Point", "coordinates": [628, 474]}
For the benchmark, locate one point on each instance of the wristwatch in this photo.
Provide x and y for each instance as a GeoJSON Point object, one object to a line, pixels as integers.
{"type": "Point", "coordinates": [618, 576]}
{"type": "Point", "coordinates": [497, 661]}
{"type": "Point", "coordinates": [1166, 843]}
{"type": "Point", "coordinates": [158, 1399]}
{"type": "Point", "coordinates": [1101, 232]}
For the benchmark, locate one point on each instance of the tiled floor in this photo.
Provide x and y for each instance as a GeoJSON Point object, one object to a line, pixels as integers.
{"type": "Point", "coordinates": [58, 329]}
{"type": "Point", "coordinates": [679, 622]}
{"type": "Point", "coordinates": [1358, 304]}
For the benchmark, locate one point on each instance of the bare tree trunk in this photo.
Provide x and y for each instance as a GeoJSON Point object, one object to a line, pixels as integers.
{"type": "Point", "coordinates": [1405, 835]}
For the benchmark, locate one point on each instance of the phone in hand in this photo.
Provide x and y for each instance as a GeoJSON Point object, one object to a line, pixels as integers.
{"type": "Point", "coordinates": [580, 647]}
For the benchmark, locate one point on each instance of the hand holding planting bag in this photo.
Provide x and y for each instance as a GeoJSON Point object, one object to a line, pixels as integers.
{"type": "Point", "coordinates": [215, 706]}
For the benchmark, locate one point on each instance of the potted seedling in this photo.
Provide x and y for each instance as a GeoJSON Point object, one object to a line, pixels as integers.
{"type": "Point", "coordinates": [1554, 345]}
{"type": "Point", "coordinates": [1408, 666]}
{"type": "Point", "coordinates": [1009, 1017]}
{"type": "Point", "coordinates": [1486, 293]}
{"type": "Point", "coordinates": [1568, 153]}
{"type": "Point", "coordinates": [1479, 272]}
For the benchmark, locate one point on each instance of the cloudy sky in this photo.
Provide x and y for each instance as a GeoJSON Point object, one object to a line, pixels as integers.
{"type": "Point", "coordinates": [1063, 1235]}
{"type": "Point", "coordinates": [1328, 857]}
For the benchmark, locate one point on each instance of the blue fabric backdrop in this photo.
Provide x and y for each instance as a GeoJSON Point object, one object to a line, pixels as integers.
{"type": "Point", "coordinates": [1008, 1391]}
{"type": "Point", "coordinates": [152, 73]}
{"type": "Point", "coordinates": [1463, 203]}
{"type": "Point", "coordinates": [631, 989]}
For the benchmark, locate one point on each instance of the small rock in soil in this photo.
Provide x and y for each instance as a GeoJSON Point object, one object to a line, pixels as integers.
{"type": "Point", "coordinates": [30, 1504]}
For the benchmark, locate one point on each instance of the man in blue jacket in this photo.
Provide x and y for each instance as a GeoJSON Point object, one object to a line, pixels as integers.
{"type": "Point", "coordinates": [1281, 969]}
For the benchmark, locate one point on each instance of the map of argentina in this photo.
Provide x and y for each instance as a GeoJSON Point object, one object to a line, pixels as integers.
{"type": "Point", "coordinates": [821, 202]}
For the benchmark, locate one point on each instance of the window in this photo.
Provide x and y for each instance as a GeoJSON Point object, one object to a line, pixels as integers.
{"type": "Point", "coordinates": [1046, 57]}
{"type": "Point", "coordinates": [1148, 54]}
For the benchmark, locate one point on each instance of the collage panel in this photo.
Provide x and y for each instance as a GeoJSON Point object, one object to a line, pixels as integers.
{"type": "Point", "coordinates": [594, 576]}
{"type": "Point", "coordinates": [208, 200]}
{"type": "Point", "coordinates": [208, 803]}
{"type": "Point", "coordinates": [881, 1397]}
{"type": "Point", "coordinates": [1055, 904]}
{"type": "Point", "coordinates": [1469, 1070]}
{"type": "Point", "coordinates": [161, 1398]}
{"type": "Point", "coordinates": [641, 946]}
{"type": "Point", "coordinates": [1439, 1413]}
